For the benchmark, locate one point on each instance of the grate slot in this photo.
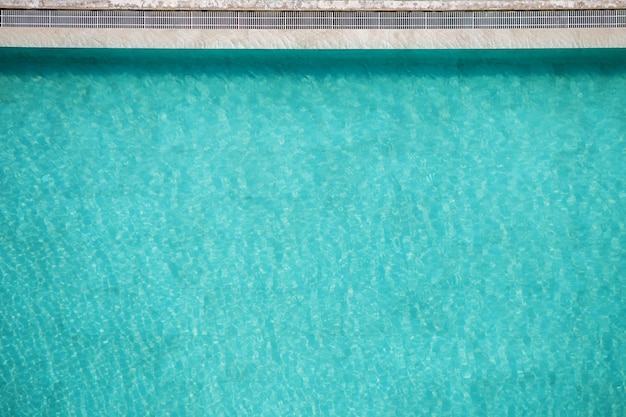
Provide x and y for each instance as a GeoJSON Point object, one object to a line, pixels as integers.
{"type": "Point", "coordinates": [73, 18]}
{"type": "Point", "coordinates": [356, 20]}
{"type": "Point", "coordinates": [308, 20]}
{"type": "Point", "coordinates": [265, 20]}
{"type": "Point", "coordinates": [214, 20]}
{"type": "Point", "coordinates": [168, 20]}
{"type": "Point", "coordinates": [120, 19]}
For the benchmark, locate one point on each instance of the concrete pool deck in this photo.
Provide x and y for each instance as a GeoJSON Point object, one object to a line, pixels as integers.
{"type": "Point", "coordinates": [50, 23]}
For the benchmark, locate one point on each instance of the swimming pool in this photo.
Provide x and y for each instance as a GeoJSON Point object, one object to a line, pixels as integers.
{"type": "Point", "coordinates": [312, 233]}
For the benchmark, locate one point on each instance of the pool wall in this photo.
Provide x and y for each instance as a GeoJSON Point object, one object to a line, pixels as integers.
{"type": "Point", "coordinates": [312, 39]}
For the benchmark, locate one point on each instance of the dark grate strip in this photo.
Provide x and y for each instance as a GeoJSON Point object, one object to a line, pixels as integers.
{"type": "Point", "coordinates": [105, 19]}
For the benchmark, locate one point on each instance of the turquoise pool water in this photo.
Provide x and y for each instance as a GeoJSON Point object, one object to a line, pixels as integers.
{"type": "Point", "coordinates": [312, 233]}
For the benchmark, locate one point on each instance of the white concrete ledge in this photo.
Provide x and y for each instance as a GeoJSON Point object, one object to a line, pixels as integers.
{"type": "Point", "coordinates": [415, 5]}
{"type": "Point", "coordinates": [313, 39]}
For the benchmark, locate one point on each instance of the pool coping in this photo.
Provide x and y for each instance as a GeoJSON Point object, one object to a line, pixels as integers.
{"type": "Point", "coordinates": [245, 37]}
{"type": "Point", "coordinates": [302, 5]}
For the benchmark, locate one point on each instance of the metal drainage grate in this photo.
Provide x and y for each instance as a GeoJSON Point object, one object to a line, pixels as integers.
{"type": "Point", "coordinates": [102, 19]}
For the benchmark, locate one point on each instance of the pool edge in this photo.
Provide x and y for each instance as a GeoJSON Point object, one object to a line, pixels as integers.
{"type": "Point", "coordinates": [302, 5]}
{"type": "Point", "coordinates": [314, 39]}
